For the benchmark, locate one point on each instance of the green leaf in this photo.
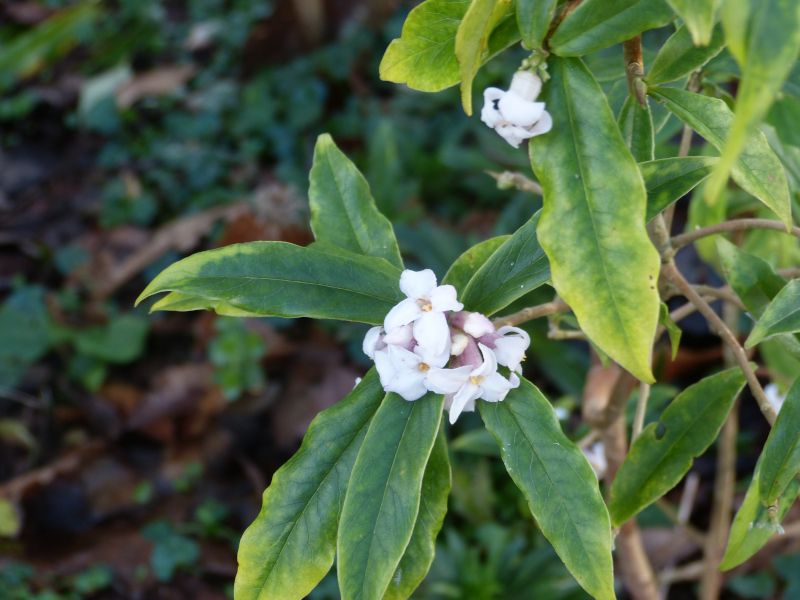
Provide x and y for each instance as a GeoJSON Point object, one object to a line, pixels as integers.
{"type": "Point", "coordinates": [747, 537]}
{"type": "Point", "coordinates": [26, 333]}
{"type": "Point", "coordinates": [533, 19]}
{"type": "Point", "coordinates": [672, 328]}
{"type": "Point", "coordinates": [424, 56]}
{"type": "Point", "coordinates": [119, 342]}
{"type": "Point", "coordinates": [290, 546]}
{"type": "Point", "coordinates": [757, 170]}
{"type": "Point", "coordinates": [558, 483]}
{"type": "Point", "coordinates": [679, 56]}
{"type": "Point", "coordinates": [636, 125]}
{"type": "Point", "coordinates": [770, 46]}
{"type": "Point", "coordinates": [472, 40]}
{"type": "Point", "coordinates": [699, 18]}
{"type": "Point", "coordinates": [517, 267]}
{"type": "Point", "coordinates": [655, 464]}
{"type": "Point", "coordinates": [284, 280]}
{"type": "Point", "coordinates": [179, 302]}
{"type": "Point", "coordinates": [670, 179]}
{"type": "Point", "coordinates": [781, 316]}
{"type": "Point", "coordinates": [780, 460]}
{"type": "Point", "coordinates": [592, 226]}
{"type": "Point", "coordinates": [597, 24]}
{"type": "Point", "coordinates": [432, 507]}
{"type": "Point", "coordinates": [383, 496]}
{"type": "Point", "coordinates": [342, 209]}
{"type": "Point", "coordinates": [465, 266]}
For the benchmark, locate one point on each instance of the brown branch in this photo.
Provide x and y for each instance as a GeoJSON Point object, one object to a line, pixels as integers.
{"type": "Point", "coordinates": [679, 241]}
{"type": "Point", "coordinates": [669, 512]}
{"type": "Point", "coordinates": [634, 67]}
{"type": "Point", "coordinates": [508, 179]}
{"type": "Point", "coordinates": [606, 394]}
{"type": "Point", "coordinates": [672, 274]}
{"type": "Point", "coordinates": [532, 312]}
{"type": "Point", "coordinates": [723, 293]}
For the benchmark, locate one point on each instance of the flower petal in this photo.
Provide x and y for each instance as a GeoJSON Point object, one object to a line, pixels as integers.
{"type": "Point", "coordinates": [518, 111]}
{"type": "Point", "coordinates": [371, 340]}
{"type": "Point", "coordinates": [468, 393]}
{"type": "Point", "coordinates": [495, 387]}
{"type": "Point", "coordinates": [510, 350]}
{"type": "Point", "coordinates": [403, 375]}
{"type": "Point", "coordinates": [447, 381]}
{"type": "Point", "coordinates": [445, 298]}
{"type": "Point", "coordinates": [544, 125]}
{"type": "Point", "coordinates": [417, 284]}
{"type": "Point", "coordinates": [432, 333]}
{"type": "Point", "coordinates": [489, 365]}
{"type": "Point", "coordinates": [399, 336]}
{"type": "Point", "coordinates": [478, 325]}
{"type": "Point", "coordinates": [510, 134]}
{"type": "Point", "coordinates": [402, 314]}
{"type": "Point", "coordinates": [526, 84]}
{"type": "Point", "coordinates": [386, 369]}
{"type": "Point", "coordinates": [433, 360]}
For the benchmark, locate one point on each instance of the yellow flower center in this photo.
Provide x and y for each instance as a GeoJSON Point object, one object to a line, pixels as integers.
{"type": "Point", "coordinates": [426, 307]}
{"type": "Point", "coordinates": [423, 366]}
{"type": "Point", "coordinates": [476, 380]}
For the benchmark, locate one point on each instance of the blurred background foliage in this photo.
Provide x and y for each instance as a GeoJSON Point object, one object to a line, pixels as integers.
{"type": "Point", "coordinates": [134, 447]}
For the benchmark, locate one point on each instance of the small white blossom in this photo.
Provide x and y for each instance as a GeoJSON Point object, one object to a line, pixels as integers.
{"type": "Point", "coordinates": [424, 307]}
{"type": "Point", "coordinates": [404, 372]}
{"type": "Point", "coordinates": [468, 383]}
{"type": "Point", "coordinates": [596, 455]}
{"type": "Point", "coordinates": [514, 114]}
{"type": "Point", "coordinates": [773, 394]}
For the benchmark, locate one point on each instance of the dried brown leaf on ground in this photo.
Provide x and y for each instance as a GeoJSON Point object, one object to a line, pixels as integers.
{"type": "Point", "coordinates": [157, 82]}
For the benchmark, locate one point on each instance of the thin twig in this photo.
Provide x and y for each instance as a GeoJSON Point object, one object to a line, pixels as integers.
{"type": "Point", "coordinates": [790, 273]}
{"type": "Point", "coordinates": [672, 274]}
{"type": "Point", "coordinates": [691, 572]}
{"type": "Point", "coordinates": [508, 179]}
{"type": "Point", "coordinates": [669, 512]}
{"type": "Point", "coordinates": [641, 410]}
{"type": "Point", "coordinates": [532, 312]}
{"type": "Point", "coordinates": [566, 334]}
{"type": "Point", "coordinates": [679, 241]}
{"type": "Point", "coordinates": [723, 293]}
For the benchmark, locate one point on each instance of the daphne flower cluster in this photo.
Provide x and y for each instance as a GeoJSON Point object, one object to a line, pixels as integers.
{"type": "Point", "coordinates": [514, 114]}
{"type": "Point", "coordinates": [429, 343]}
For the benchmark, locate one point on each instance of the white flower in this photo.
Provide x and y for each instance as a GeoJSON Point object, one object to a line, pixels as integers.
{"type": "Point", "coordinates": [509, 349]}
{"type": "Point", "coordinates": [424, 307]}
{"type": "Point", "coordinates": [404, 372]}
{"type": "Point", "coordinates": [773, 394]}
{"type": "Point", "coordinates": [514, 114]}
{"type": "Point", "coordinates": [468, 383]}
{"type": "Point", "coordinates": [596, 455]}
{"type": "Point", "coordinates": [376, 340]}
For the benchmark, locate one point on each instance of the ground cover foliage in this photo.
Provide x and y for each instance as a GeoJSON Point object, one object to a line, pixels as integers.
{"type": "Point", "coordinates": [260, 164]}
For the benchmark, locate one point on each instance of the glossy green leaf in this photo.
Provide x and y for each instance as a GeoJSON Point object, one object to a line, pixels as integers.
{"type": "Point", "coordinates": [179, 302]}
{"type": "Point", "coordinates": [780, 461]}
{"type": "Point", "coordinates": [592, 225]}
{"type": "Point", "coordinates": [781, 316]}
{"type": "Point", "coordinates": [770, 47]}
{"type": "Point", "coordinates": [517, 267]}
{"type": "Point", "coordinates": [424, 56]}
{"type": "Point", "coordinates": [472, 41]}
{"type": "Point", "coordinates": [679, 56]}
{"type": "Point", "coordinates": [558, 483]}
{"type": "Point", "coordinates": [597, 24]}
{"type": "Point", "coordinates": [290, 546]}
{"type": "Point", "coordinates": [636, 125]}
{"type": "Point", "coordinates": [757, 170]}
{"type": "Point", "coordinates": [747, 537]}
{"type": "Point", "coordinates": [657, 462]}
{"type": "Point", "coordinates": [432, 507]}
{"type": "Point", "coordinates": [670, 179]}
{"type": "Point", "coordinates": [465, 266]}
{"type": "Point", "coordinates": [284, 280]}
{"type": "Point", "coordinates": [343, 211]}
{"type": "Point", "coordinates": [672, 328]}
{"type": "Point", "coordinates": [533, 19]}
{"type": "Point", "coordinates": [383, 496]}
{"type": "Point", "coordinates": [699, 17]}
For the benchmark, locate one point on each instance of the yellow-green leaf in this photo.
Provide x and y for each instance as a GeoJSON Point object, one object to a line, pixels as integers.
{"type": "Point", "coordinates": [699, 18]}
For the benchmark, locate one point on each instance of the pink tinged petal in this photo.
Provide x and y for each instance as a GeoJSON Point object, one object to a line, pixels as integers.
{"type": "Point", "coordinates": [447, 381]}
{"type": "Point", "coordinates": [468, 393]}
{"type": "Point", "coordinates": [526, 84]}
{"type": "Point", "coordinates": [399, 336]}
{"type": "Point", "coordinates": [544, 125]}
{"type": "Point", "coordinates": [406, 311]}
{"type": "Point", "coordinates": [518, 111]}
{"type": "Point", "coordinates": [445, 298]}
{"type": "Point", "coordinates": [432, 333]}
{"type": "Point", "coordinates": [478, 325]}
{"type": "Point", "coordinates": [371, 341]}
{"type": "Point", "coordinates": [458, 343]}
{"type": "Point", "coordinates": [471, 356]}
{"type": "Point", "coordinates": [495, 387]}
{"type": "Point", "coordinates": [417, 284]}
{"type": "Point", "coordinates": [489, 365]}
{"type": "Point", "coordinates": [489, 339]}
